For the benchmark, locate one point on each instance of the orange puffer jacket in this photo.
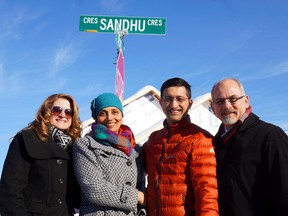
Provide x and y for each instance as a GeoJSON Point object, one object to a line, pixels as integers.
{"type": "Point", "coordinates": [181, 167]}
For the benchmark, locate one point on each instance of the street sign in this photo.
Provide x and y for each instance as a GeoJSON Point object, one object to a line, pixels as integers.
{"type": "Point", "coordinates": [131, 25]}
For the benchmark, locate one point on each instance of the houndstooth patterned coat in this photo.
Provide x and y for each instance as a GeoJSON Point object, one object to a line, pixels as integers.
{"type": "Point", "coordinates": [108, 178]}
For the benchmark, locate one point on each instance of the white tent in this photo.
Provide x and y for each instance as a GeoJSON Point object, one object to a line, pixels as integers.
{"type": "Point", "coordinates": [143, 114]}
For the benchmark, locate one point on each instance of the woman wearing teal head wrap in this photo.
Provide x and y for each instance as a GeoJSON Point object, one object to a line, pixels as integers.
{"type": "Point", "coordinates": [108, 162]}
{"type": "Point", "coordinates": [105, 100]}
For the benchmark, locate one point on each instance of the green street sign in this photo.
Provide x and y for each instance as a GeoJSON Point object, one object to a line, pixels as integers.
{"type": "Point", "coordinates": [130, 25]}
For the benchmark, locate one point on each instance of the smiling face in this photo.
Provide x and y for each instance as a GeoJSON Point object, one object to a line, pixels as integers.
{"type": "Point", "coordinates": [61, 121]}
{"type": "Point", "coordinates": [175, 103]}
{"type": "Point", "coordinates": [110, 117]}
{"type": "Point", "coordinates": [229, 112]}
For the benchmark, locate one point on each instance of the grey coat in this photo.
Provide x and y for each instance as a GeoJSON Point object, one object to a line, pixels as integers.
{"type": "Point", "coordinates": [108, 178]}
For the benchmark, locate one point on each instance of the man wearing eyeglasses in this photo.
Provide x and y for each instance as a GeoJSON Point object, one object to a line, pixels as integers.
{"type": "Point", "coordinates": [180, 160]}
{"type": "Point", "coordinates": [252, 156]}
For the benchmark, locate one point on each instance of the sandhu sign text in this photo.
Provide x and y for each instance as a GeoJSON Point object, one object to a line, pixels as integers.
{"type": "Point", "coordinates": [132, 25]}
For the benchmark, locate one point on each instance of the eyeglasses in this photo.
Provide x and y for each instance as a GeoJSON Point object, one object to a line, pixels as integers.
{"type": "Point", "coordinates": [231, 100]}
{"type": "Point", "coordinates": [56, 110]}
{"type": "Point", "coordinates": [179, 99]}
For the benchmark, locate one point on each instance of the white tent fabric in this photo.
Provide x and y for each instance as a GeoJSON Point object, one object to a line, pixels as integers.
{"type": "Point", "coordinates": [143, 114]}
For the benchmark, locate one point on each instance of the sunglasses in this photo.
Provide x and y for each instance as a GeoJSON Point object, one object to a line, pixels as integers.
{"type": "Point", "coordinates": [56, 110]}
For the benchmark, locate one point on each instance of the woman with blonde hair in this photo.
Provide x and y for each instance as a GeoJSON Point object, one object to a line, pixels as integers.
{"type": "Point", "coordinates": [37, 176]}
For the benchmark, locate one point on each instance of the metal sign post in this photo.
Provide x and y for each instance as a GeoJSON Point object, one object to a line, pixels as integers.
{"type": "Point", "coordinates": [119, 84]}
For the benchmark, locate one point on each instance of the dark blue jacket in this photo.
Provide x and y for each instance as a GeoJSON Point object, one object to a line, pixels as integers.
{"type": "Point", "coordinates": [252, 170]}
{"type": "Point", "coordinates": [37, 178]}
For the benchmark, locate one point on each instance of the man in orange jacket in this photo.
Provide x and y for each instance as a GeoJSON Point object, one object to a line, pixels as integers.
{"type": "Point", "coordinates": [180, 160]}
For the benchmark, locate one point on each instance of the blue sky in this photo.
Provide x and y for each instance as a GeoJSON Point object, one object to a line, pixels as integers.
{"type": "Point", "coordinates": [42, 52]}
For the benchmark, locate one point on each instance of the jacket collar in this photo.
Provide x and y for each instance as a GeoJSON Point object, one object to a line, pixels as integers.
{"type": "Point", "coordinates": [250, 121]}
{"type": "Point", "coordinates": [183, 123]}
{"type": "Point", "coordinates": [42, 150]}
